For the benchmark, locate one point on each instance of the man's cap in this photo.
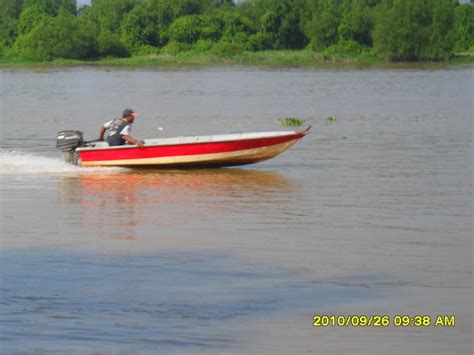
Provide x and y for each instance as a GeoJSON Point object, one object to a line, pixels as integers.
{"type": "Point", "coordinates": [128, 112]}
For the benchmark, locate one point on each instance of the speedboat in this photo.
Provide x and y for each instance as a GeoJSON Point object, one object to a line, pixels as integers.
{"type": "Point", "coordinates": [180, 152]}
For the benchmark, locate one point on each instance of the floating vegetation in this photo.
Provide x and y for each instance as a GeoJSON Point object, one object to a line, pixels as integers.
{"type": "Point", "coordinates": [291, 121]}
{"type": "Point", "coordinates": [331, 118]}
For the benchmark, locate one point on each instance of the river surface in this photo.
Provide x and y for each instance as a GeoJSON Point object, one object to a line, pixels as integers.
{"type": "Point", "coordinates": [370, 214]}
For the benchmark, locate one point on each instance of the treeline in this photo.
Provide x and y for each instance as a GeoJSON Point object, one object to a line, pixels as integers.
{"type": "Point", "coordinates": [398, 30]}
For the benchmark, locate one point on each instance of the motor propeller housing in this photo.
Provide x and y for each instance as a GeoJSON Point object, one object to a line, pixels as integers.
{"type": "Point", "coordinates": [68, 141]}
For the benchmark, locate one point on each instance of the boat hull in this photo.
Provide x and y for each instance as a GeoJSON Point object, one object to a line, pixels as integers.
{"type": "Point", "coordinates": [196, 154]}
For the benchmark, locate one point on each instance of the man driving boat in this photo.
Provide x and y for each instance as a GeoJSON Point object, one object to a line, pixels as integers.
{"type": "Point", "coordinates": [119, 130]}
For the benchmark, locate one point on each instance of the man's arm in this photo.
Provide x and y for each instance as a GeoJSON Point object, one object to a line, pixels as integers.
{"type": "Point", "coordinates": [132, 140]}
{"type": "Point", "coordinates": [103, 128]}
{"type": "Point", "coordinates": [101, 133]}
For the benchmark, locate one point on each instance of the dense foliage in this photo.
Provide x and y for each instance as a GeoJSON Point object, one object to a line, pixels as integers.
{"type": "Point", "coordinates": [398, 30]}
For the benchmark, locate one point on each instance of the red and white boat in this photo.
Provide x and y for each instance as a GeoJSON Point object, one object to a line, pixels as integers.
{"type": "Point", "coordinates": [180, 152]}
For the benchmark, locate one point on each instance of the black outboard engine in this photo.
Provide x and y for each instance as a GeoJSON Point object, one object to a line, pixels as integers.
{"type": "Point", "coordinates": [68, 141]}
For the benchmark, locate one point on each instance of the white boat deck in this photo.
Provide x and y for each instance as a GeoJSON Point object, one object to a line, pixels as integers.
{"type": "Point", "coordinates": [194, 139]}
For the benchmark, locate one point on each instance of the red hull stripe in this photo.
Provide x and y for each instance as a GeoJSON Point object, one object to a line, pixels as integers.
{"type": "Point", "coordinates": [183, 149]}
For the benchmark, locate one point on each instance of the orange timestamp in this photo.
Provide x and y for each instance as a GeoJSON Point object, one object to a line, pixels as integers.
{"type": "Point", "coordinates": [376, 321]}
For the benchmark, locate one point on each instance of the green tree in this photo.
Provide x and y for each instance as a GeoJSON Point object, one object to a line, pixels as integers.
{"type": "Point", "coordinates": [463, 30]}
{"type": "Point", "coordinates": [260, 41]}
{"type": "Point", "coordinates": [441, 34]}
{"type": "Point", "coordinates": [357, 21]}
{"type": "Point", "coordinates": [110, 45]}
{"type": "Point", "coordinates": [67, 7]}
{"type": "Point", "coordinates": [10, 11]}
{"type": "Point", "coordinates": [402, 28]}
{"type": "Point", "coordinates": [51, 7]}
{"type": "Point", "coordinates": [11, 8]}
{"type": "Point", "coordinates": [109, 14]}
{"type": "Point", "coordinates": [188, 7]}
{"type": "Point", "coordinates": [397, 29]}
{"type": "Point", "coordinates": [59, 37]}
{"type": "Point", "coordinates": [415, 29]}
{"type": "Point", "coordinates": [237, 27]}
{"type": "Point", "coordinates": [33, 14]}
{"type": "Point", "coordinates": [215, 4]}
{"type": "Point", "coordinates": [8, 30]}
{"type": "Point", "coordinates": [147, 24]}
{"type": "Point", "coordinates": [278, 21]}
{"type": "Point", "coordinates": [291, 34]}
{"type": "Point", "coordinates": [186, 29]}
{"type": "Point", "coordinates": [322, 26]}
{"type": "Point", "coordinates": [212, 27]}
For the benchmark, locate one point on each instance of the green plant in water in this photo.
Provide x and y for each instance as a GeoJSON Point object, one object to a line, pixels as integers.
{"type": "Point", "coordinates": [331, 118]}
{"type": "Point", "coordinates": [291, 121]}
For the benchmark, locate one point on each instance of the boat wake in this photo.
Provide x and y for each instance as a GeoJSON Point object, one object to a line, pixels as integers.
{"type": "Point", "coordinates": [13, 163]}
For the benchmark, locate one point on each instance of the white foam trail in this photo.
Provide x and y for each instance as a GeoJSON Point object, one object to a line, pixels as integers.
{"type": "Point", "coordinates": [18, 163]}
{"type": "Point", "coordinates": [14, 163]}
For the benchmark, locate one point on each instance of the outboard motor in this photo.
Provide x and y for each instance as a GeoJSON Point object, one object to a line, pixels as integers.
{"type": "Point", "coordinates": [68, 141]}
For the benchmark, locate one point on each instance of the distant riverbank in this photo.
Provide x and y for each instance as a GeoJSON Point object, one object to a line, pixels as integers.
{"type": "Point", "coordinates": [276, 58]}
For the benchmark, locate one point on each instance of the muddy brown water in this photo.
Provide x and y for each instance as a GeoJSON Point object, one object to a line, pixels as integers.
{"type": "Point", "coordinates": [370, 214]}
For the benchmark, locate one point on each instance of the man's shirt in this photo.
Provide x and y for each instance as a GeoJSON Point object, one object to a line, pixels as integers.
{"type": "Point", "coordinates": [125, 131]}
